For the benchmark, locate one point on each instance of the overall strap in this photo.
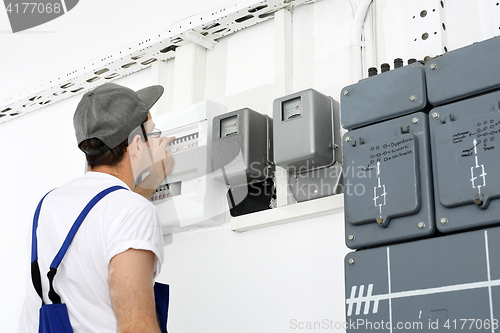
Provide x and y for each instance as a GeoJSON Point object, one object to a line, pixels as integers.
{"type": "Point", "coordinates": [53, 296]}
{"type": "Point", "coordinates": [35, 269]}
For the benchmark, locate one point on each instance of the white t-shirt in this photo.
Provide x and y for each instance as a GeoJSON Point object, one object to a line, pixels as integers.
{"type": "Point", "coordinates": [120, 221]}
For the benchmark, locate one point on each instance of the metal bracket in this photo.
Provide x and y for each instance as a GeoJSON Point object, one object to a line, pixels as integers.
{"type": "Point", "coordinates": [201, 40]}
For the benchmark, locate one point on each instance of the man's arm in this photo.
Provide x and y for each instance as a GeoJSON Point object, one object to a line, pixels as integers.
{"type": "Point", "coordinates": [131, 281]}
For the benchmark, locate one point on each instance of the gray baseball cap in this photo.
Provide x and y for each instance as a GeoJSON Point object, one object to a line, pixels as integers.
{"type": "Point", "coordinates": [111, 112]}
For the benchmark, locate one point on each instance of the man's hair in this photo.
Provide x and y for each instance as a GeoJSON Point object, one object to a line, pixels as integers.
{"type": "Point", "coordinates": [111, 157]}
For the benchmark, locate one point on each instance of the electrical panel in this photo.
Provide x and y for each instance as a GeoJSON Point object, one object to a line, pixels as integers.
{"type": "Point", "coordinates": [189, 198]}
{"type": "Point", "coordinates": [464, 139]}
{"type": "Point", "coordinates": [387, 182]}
{"type": "Point", "coordinates": [242, 159]}
{"type": "Point", "coordinates": [464, 72]}
{"type": "Point", "coordinates": [443, 284]}
{"type": "Point", "coordinates": [384, 96]}
{"type": "Point", "coordinates": [307, 143]}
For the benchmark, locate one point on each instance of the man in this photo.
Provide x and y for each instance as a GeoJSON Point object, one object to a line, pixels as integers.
{"type": "Point", "coordinates": [106, 277]}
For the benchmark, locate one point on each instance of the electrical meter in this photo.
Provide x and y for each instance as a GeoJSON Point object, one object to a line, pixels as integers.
{"type": "Point", "coordinates": [464, 139]}
{"type": "Point", "coordinates": [306, 138]}
{"type": "Point", "coordinates": [241, 159]}
{"type": "Point", "coordinates": [189, 198]}
{"type": "Point", "coordinates": [387, 182]}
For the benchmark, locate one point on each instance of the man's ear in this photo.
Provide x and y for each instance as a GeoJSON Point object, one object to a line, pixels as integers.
{"type": "Point", "coordinates": [135, 149]}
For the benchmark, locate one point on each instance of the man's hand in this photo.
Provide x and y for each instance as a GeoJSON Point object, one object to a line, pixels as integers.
{"type": "Point", "coordinates": [162, 159]}
{"type": "Point", "coordinates": [161, 166]}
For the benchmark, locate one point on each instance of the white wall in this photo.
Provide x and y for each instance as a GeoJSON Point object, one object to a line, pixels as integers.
{"type": "Point", "coordinates": [221, 281]}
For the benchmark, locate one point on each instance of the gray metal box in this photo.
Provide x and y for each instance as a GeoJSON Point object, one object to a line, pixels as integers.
{"type": "Point", "coordinates": [442, 284]}
{"type": "Point", "coordinates": [464, 72]}
{"type": "Point", "coordinates": [387, 182]}
{"type": "Point", "coordinates": [465, 142]}
{"type": "Point", "coordinates": [304, 131]}
{"type": "Point", "coordinates": [384, 96]}
{"type": "Point", "coordinates": [241, 147]}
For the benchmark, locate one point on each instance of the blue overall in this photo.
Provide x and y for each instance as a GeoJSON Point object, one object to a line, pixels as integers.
{"type": "Point", "coordinates": [54, 317]}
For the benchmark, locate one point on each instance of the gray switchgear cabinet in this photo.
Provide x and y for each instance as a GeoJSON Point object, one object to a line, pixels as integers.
{"type": "Point", "coordinates": [384, 96]}
{"type": "Point", "coordinates": [387, 182]}
{"type": "Point", "coordinates": [465, 139]}
{"type": "Point", "coordinates": [441, 282]}
{"type": "Point", "coordinates": [241, 147]}
{"type": "Point", "coordinates": [464, 72]}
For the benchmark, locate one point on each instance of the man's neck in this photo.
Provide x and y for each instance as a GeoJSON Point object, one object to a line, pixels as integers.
{"type": "Point", "coordinates": [120, 171]}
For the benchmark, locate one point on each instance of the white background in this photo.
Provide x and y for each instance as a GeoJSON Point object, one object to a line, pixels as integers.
{"type": "Point", "coordinates": [221, 281]}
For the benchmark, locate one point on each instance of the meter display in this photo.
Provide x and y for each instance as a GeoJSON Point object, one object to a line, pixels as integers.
{"type": "Point", "coordinates": [292, 108]}
{"type": "Point", "coordinates": [228, 126]}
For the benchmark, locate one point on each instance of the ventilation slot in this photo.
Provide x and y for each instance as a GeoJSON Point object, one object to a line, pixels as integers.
{"type": "Point", "coordinates": [138, 56]}
{"type": "Point", "coordinates": [95, 78]}
{"type": "Point", "coordinates": [112, 76]}
{"type": "Point", "coordinates": [271, 13]}
{"type": "Point", "coordinates": [256, 9]}
{"type": "Point", "coordinates": [211, 26]}
{"type": "Point", "coordinates": [67, 85]}
{"type": "Point", "coordinates": [101, 71]}
{"type": "Point", "coordinates": [77, 90]}
{"type": "Point", "coordinates": [6, 110]}
{"type": "Point", "coordinates": [221, 31]}
{"type": "Point", "coordinates": [243, 19]}
{"type": "Point", "coordinates": [130, 64]}
{"type": "Point", "coordinates": [147, 62]}
{"type": "Point", "coordinates": [169, 48]}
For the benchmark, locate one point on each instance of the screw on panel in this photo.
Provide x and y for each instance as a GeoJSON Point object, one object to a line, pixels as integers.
{"type": "Point", "coordinates": [351, 261]}
{"type": "Point", "coordinates": [415, 120]}
{"type": "Point", "coordinates": [433, 66]}
{"type": "Point", "coordinates": [413, 98]}
{"type": "Point", "coordinates": [444, 221]}
{"type": "Point", "coordinates": [347, 139]}
{"type": "Point", "coordinates": [347, 92]}
{"type": "Point", "coordinates": [380, 221]}
{"type": "Point", "coordinates": [435, 115]}
{"type": "Point", "coordinates": [351, 238]}
{"type": "Point", "coordinates": [421, 225]}
{"type": "Point", "coordinates": [478, 201]}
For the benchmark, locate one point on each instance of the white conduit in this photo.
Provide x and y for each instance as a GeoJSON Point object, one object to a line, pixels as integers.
{"type": "Point", "coordinates": [356, 42]}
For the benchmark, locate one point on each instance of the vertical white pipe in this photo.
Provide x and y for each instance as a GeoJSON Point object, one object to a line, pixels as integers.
{"type": "Point", "coordinates": [356, 42]}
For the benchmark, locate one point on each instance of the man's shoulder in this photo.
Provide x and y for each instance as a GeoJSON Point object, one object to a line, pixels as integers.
{"type": "Point", "coordinates": [83, 189]}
